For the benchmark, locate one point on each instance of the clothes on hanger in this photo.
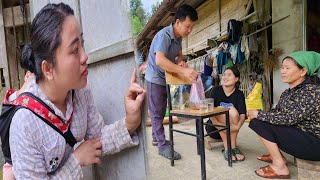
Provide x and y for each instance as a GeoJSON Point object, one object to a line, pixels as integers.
{"type": "Point", "coordinates": [234, 31]}
{"type": "Point", "coordinates": [245, 47]}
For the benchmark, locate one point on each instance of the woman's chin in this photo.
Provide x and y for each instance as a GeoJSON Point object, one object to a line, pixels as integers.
{"type": "Point", "coordinates": [82, 85]}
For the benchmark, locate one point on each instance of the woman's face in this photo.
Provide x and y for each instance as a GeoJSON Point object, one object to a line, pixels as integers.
{"type": "Point", "coordinates": [71, 70]}
{"type": "Point", "coordinates": [291, 73]}
{"type": "Point", "coordinates": [229, 79]}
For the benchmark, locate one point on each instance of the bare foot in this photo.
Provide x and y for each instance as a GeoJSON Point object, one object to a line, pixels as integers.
{"type": "Point", "coordinates": [240, 157]}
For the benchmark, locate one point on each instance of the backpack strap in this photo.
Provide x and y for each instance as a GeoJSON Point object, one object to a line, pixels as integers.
{"type": "Point", "coordinates": [44, 112]}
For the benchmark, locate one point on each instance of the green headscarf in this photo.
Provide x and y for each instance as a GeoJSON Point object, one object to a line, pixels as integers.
{"type": "Point", "coordinates": [309, 60]}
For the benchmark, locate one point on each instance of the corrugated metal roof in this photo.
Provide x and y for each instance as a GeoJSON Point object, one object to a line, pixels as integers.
{"type": "Point", "coordinates": [161, 18]}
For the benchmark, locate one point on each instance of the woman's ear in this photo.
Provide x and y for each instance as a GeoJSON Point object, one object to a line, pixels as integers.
{"type": "Point", "coordinates": [47, 70]}
{"type": "Point", "coordinates": [303, 72]}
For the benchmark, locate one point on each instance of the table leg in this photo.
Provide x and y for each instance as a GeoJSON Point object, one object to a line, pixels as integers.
{"type": "Point", "coordinates": [229, 139]}
{"type": "Point", "coordinates": [201, 143]}
{"type": "Point", "coordinates": [171, 139]}
{"type": "Point", "coordinates": [198, 136]}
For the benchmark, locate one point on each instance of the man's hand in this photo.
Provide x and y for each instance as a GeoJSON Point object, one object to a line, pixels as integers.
{"type": "Point", "coordinates": [183, 64]}
{"type": "Point", "coordinates": [133, 101]}
{"type": "Point", "coordinates": [190, 73]}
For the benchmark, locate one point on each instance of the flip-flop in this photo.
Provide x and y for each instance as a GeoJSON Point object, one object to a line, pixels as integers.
{"type": "Point", "coordinates": [237, 151]}
{"type": "Point", "coordinates": [225, 155]}
{"type": "Point", "coordinates": [268, 172]}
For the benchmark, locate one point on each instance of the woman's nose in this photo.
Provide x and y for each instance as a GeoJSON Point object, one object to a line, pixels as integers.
{"type": "Point", "coordinates": [84, 57]}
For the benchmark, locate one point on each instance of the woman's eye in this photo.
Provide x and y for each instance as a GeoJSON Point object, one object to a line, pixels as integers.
{"type": "Point", "coordinates": [75, 51]}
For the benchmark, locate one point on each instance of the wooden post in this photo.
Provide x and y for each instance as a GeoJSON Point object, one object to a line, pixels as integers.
{"type": "Point", "coordinates": [219, 15]}
{"type": "Point", "coordinates": [3, 56]}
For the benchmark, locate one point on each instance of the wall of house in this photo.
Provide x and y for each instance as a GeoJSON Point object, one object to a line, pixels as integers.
{"type": "Point", "coordinates": [107, 33]}
{"type": "Point", "coordinates": [287, 35]}
{"type": "Point", "coordinates": [109, 81]}
{"type": "Point", "coordinates": [207, 26]}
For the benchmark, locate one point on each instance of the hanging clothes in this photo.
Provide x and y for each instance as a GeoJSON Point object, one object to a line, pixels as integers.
{"type": "Point", "coordinates": [234, 31]}
{"type": "Point", "coordinates": [253, 43]}
{"type": "Point", "coordinates": [233, 52]}
{"type": "Point", "coordinates": [240, 56]}
{"type": "Point", "coordinates": [245, 47]}
{"type": "Point", "coordinates": [222, 59]}
{"type": "Point", "coordinates": [207, 70]}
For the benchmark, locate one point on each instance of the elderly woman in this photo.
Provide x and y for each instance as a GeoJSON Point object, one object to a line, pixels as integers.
{"type": "Point", "coordinates": [293, 126]}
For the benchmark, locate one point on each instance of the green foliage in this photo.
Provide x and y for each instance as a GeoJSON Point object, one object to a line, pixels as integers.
{"type": "Point", "coordinates": [154, 7]}
{"type": "Point", "coordinates": [137, 25]}
{"type": "Point", "coordinates": [138, 16]}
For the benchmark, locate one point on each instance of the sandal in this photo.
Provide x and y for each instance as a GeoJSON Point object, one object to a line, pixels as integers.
{"type": "Point", "coordinates": [265, 158]}
{"type": "Point", "coordinates": [268, 172]}
{"type": "Point", "coordinates": [225, 155]}
{"type": "Point", "coordinates": [237, 151]}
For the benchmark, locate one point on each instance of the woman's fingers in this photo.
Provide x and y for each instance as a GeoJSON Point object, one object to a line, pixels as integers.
{"type": "Point", "coordinates": [133, 76]}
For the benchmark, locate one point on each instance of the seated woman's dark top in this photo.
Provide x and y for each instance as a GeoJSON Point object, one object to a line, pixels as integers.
{"type": "Point", "coordinates": [236, 99]}
{"type": "Point", "coordinates": [299, 106]}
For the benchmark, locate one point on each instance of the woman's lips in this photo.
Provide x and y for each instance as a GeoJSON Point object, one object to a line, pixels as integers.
{"type": "Point", "coordinates": [85, 72]}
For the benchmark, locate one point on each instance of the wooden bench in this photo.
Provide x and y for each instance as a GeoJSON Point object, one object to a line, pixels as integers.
{"type": "Point", "coordinates": [208, 142]}
{"type": "Point", "coordinates": [308, 169]}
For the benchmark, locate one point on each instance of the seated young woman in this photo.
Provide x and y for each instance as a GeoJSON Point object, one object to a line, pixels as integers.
{"type": "Point", "coordinates": [228, 95]}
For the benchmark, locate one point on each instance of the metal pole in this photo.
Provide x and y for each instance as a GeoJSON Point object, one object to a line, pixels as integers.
{"type": "Point", "coordinates": [203, 157]}
{"type": "Point", "coordinates": [268, 26]}
{"type": "Point", "coordinates": [229, 139]}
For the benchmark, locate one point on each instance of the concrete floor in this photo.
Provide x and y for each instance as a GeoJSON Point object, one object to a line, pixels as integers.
{"type": "Point", "coordinates": [188, 167]}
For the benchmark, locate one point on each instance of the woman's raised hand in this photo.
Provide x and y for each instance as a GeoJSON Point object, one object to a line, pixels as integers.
{"type": "Point", "coordinates": [133, 101]}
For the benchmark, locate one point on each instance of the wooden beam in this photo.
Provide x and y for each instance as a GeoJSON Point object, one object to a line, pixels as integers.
{"type": "Point", "coordinates": [147, 40]}
{"type": "Point", "coordinates": [157, 28]}
{"type": "Point", "coordinates": [219, 15]}
{"type": "Point", "coordinates": [172, 9]}
{"type": "Point", "coordinates": [17, 15]}
{"type": "Point", "coordinates": [12, 3]}
{"type": "Point", "coordinates": [248, 7]}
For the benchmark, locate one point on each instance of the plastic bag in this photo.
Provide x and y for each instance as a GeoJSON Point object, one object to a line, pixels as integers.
{"type": "Point", "coordinates": [254, 99]}
{"type": "Point", "coordinates": [180, 96]}
{"type": "Point", "coordinates": [196, 94]}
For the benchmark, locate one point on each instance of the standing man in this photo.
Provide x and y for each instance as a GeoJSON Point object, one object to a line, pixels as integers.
{"type": "Point", "coordinates": [166, 55]}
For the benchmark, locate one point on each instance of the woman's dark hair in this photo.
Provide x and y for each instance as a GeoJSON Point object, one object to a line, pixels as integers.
{"type": "Point", "coordinates": [186, 10]}
{"type": "Point", "coordinates": [314, 78]}
{"type": "Point", "coordinates": [236, 73]}
{"type": "Point", "coordinates": [45, 37]}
